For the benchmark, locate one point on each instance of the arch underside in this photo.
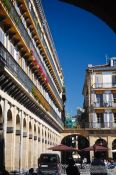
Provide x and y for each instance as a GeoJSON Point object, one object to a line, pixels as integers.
{"type": "Point", "coordinates": [106, 10]}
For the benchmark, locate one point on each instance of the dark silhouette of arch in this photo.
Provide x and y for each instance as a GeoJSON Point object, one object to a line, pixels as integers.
{"type": "Point", "coordinates": [114, 147]}
{"type": "Point", "coordinates": [75, 140]}
{"type": "Point", "coordinates": [2, 146]}
{"type": "Point", "coordinates": [24, 125]}
{"type": "Point", "coordinates": [102, 142]}
{"type": "Point", "coordinates": [105, 10]}
{"type": "Point", "coordinates": [9, 118]}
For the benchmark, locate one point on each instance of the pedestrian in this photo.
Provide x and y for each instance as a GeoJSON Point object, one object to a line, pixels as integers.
{"type": "Point", "coordinates": [31, 171]}
{"type": "Point", "coordinates": [72, 169]}
{"type": "Point", "coordinates": [98, 165]}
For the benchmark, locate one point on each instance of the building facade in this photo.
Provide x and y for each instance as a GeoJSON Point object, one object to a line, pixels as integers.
{"type": "Point", "coordinates": [100, 103]}
{"type": "Point", "coordinates": [31, 85]}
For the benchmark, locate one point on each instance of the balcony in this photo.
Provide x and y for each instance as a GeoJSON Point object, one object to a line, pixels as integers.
{"type": "Point", "coordinates": [18, 22]}
{"type": "Point", "coordinates": [104, 85]}
{"type": "Point", "coordinates": [42, 40]}
{"type": "Point", "coordinates": [24, 80]}
{"type": "Point", "coordinates": [105, 104]}
{"type": "Point", "coordinates": [96, 125]}
{"type": "Point", "coordinates": [23, 8]}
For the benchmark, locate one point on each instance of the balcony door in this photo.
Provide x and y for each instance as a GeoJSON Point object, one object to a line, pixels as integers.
{"type": "Point", "coordinates": [107, 79]}
{"type": "Point", "coordinates": [100, 120]}
{"type": "Point", "coordinates": [114, 100]}
{"type": "Point", "coordinates": [114, 80]}
{"type": "Point", "coordinates": [99, 100]}
{"type": "Point", "coordinates": [98, 81]}
{"type": "Point", "coordinates": [107, 99]}
{"type": "Point", "coordinates": [114, 120]}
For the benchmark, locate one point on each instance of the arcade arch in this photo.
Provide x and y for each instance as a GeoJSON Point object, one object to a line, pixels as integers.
{"type": "Point", "coordinates": [30, 147]}
{"type": "Point", "coordinates": [1, 139]}
{"type": "Point", "coordinates": [114, 147]}
{"type": "Point", "coordinates": [17, 141]}
{"type": "Point", "coordinates": [9, 140]}
{"type": "Point", "coordinates": [24, 143]}
{"type": "Point", "coordinates": [76, 141]}
{"type": "Point", "coordinates": [103, 143]}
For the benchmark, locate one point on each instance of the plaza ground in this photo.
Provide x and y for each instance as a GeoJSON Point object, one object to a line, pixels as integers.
{"type": "Point", "coordinates": [86, 171]}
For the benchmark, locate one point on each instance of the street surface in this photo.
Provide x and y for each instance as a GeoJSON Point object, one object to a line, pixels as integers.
{"type": "Point", "coordinates": [86, 171]}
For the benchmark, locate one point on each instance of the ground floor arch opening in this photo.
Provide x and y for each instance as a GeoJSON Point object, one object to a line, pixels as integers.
{"type": "Point", "coordinates": [114, 148]}
{"type": "Point", "coordinates": [2, 163]}
{"type": "Point", "coordinates": [102, 142]}
{"type": "Point", "coordinates": [76, 141]}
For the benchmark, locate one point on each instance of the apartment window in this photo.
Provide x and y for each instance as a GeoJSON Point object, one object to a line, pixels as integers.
{"type": "Point", "coordinates": [98, 80]}
{"type": "Point", "coordinates": [100, 118]}
{"type": "Point", "coordinates": [16, 55]}
{"type": "Point", "coordinates": [33, 77]}
{"type": "Point", "coordinates": [114, 80]}
{"type": "Point", "coordinates": [99, 99]}
{"type": "Point", "coordinates": [29, 72]}
{"type": "Point", "coordinates": [23, 64]}
{"type": "Point", "coordinates": [114, 97]}
{"type": "Point", "coordinates": [7, 42]}
{"type": "Point", "coordinates": [114, 117]}
{"type": "Point", "coordinates": [1, 36]}
{"type": "Point", "coordinates": [114, 62]}
{"type": "Point", "coordinates": [30, 6]}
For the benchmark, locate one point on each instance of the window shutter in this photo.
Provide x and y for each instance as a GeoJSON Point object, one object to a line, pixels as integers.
{"type": "Point", "coordinates": [94, 120]}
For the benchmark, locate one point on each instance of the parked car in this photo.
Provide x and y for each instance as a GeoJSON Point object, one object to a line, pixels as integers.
{"type": "Point", "coordinates": [49, 164]}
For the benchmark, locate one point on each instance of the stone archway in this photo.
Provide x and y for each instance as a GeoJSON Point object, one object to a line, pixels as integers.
{"type": "Point", "coordinates": [30, 148]}
{"type": "Point", "coordinates": [17, 142]}
{"type": "Point", "coordinates": [39, 142]}
{"type": "Point", "coordinates": [75, 140]}
{"type": "Point", "coordinates": [2, 163]}
{"type": "Point", "coordinates": [9, 141]}
{"type": "Point", "coordinates": [102, 142]}
{"type": "Point", "coordinates": [35, 153]}
{"type": "Point", "coordinates": [114, 147]}
{"type": "Point", "coordinates": [25, 146]}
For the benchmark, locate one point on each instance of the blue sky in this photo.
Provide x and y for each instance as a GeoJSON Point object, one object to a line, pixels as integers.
{"type": "Point", "coordinates": [80, 39]}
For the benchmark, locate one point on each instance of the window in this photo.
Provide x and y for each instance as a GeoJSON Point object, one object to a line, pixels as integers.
{"type": "Point", "coordinates": [114, 80]}
{"type": "Point", "coordinates": [98, 80]}
{"type": "Point", "coordinates": [114, 117]}
{"type": "Point", "coordinates": [100, 117]}
{"type": "Point", "coordinates": [99, 99]}
{"type": "Point", "coordinates": [23, 64]}
{"type": "Point", "coordinates": [16, 55]}
{"type": "Point", "coordinates": [30, 6]}
{"type": "Point", "coordinates": [1, 36]}
{"type": "Point", "coordinates": [114, 97]}
{"type": "Point", "coordinates": [114, 62]}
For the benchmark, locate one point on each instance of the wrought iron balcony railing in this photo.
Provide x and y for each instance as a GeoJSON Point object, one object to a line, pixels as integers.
{"type": "Point", "coordinates": [22, 77]}
{"type": "Point", "coordinates": [96, 125]}
{"type": "Point", "coordinates": [17, 20]}
{"type": "Point", "coordinates": [104, 104]}
{"type": "Point", "coordinates": [104, 85]}
{"type": "Point", "coordinates": [42, 38]}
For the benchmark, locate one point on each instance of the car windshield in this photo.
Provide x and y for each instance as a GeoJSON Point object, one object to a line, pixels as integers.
{"type": "Point", "coordinates": [48, 159]}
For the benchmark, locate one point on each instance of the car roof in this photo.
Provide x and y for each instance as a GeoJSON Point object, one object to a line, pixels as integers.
{"type": "Point", "coordinates": [49, 154]}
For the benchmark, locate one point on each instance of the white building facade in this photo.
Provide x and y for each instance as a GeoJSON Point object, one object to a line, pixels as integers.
{"type": "Point", "coordinates": [31, 85]}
